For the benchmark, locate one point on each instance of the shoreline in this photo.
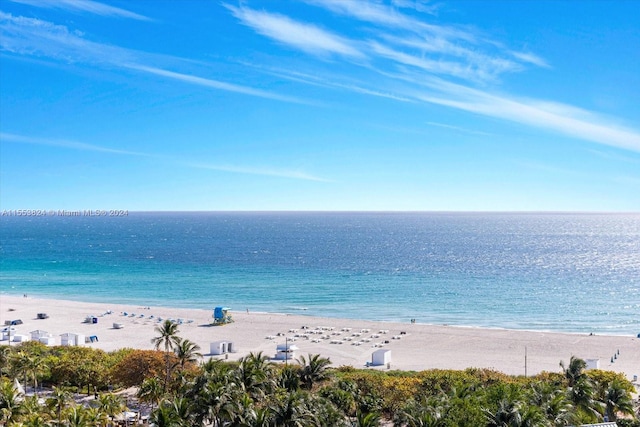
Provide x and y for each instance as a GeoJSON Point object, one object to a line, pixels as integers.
{"type": "Point", "coordinates": [301, 313]}
{"type": "Point", "coordinates": [414, 346]}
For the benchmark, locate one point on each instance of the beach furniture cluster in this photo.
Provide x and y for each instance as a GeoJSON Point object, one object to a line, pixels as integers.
{"type": "Point", "coordinates": [150, 318]}
{"type": "Point", "coordinates": [380, 357]}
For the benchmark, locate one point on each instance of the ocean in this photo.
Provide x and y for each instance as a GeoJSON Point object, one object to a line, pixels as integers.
{"type": "Point", "coordinates": [566, 272]}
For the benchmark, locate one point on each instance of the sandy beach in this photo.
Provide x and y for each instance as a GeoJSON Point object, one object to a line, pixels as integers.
{"type": "Point", "coordinates": [344, 341]}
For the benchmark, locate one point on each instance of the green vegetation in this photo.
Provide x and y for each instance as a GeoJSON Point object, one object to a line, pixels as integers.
{"type": "Point", "coordinates": [179, 391]}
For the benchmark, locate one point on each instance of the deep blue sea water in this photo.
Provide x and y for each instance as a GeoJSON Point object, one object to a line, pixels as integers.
{"type": "Point", "coordinates": [538, 271]}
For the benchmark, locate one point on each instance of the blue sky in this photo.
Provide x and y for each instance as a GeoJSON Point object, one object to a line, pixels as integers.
{"type": "Point", "coordinates": [320, 105]}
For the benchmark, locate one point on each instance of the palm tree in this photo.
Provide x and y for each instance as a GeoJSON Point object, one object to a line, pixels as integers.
{"type": "Point", "coordinates": [35, 366]}
{"type": "Point", "coordinates": [366, 419]}
{"type": "Point", "coordinates": [35, 420]}
{"type": "Point", "coordinates": [187, 352]}
{"type": "Point", "coordinates": [289, 378]}
{"type": "Point", "coordinates": [58, 400]}
{"type": "Point", "coordinates": [254, 375]}
{"type": "Point", "coordinates": [164, 416]}
{"type": "Point", "coordinates": [182, 409]}
{"type": "Point", "coordinates": [582, 396]}
{"type": "Point", "coordinates": [5, 353]}
{"type": "Point", "coordinates": [574, 371]}
{"type": "Point", "coordinates": [95, 417]}
{"type": "Point", "coordinates": [11, 406]}
{"type": "Point", "coordinates": [291, 411]}
{"type": "Point", "coordinates": [168, 339]}
{"type": "Point", "coordinates": [20, 363]}
{"type": "Point", "coordinates": [111, 405]}
{"type": "Point", "coordinates": [151, 391]}
{"type": "Point", "coordinates": [553, 403]}
{"type": "Point", "coordinates": [507, 415]}
{"type": "Point", "coordinates": [617, 400]}
{"type": "Point", "coordinates": [76, 417]}
{"type": "Point", "coordinates": [314, 370]}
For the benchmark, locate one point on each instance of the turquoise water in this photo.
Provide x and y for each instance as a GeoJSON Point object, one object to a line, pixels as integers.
{"type": "Point", "coordinates": [560, 272]}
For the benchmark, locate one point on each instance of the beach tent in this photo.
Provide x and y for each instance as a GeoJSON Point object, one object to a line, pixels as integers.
{"type": "Point", "coordinates": [18, 387]}
{"type": "Point", "coordinates": [69, 339]}
{"type": "Point", "coordinates": [286, 351]}
{"type": "Point", "coordinates": [381, 357]}
{"type": "Point", "coordinates": [221, 347]}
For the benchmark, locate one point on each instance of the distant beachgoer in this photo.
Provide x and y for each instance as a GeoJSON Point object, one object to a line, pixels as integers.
{"type": "Point", "coordinates": [247, 311]}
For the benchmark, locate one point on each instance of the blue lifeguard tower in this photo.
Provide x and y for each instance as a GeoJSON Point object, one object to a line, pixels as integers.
{"type": "Point", "coordinates": [221, 316]}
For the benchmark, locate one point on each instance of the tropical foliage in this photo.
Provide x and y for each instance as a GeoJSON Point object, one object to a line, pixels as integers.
{"type": "Point", "coordinates": [177, 389]}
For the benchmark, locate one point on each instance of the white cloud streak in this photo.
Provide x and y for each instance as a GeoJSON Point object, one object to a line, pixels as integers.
{"type": "Point", "coordinates": [87, 6]}
{"type": "Point", "coordinates": [65, 143]}
{"type": "Point", "coordinates": [459, 129]}
{"type": "Point", "coordinates": [214, 84]}
{"type": "Point", "coordinates": [564, 119]}
{"type": "Point", "coordinates": [417, 5]}
{"type": "Point", "coordinates": [307, 37]}
{"type": "Point", "coordinates": [34, 37]}
{"type": "Point", "coordinates": [279, 173]}
{"type": "Point", "coordinates": [82, 146]}
{"type": "Point", "coordinates": [561, 118]}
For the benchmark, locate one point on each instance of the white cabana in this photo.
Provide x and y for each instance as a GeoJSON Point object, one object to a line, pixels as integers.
{"type": "Point", "coordinates": [381, 357]}
{"type": "Point", "coordinates": [593, 363]}
{"type": "Point", "coordinates": [20, 338]}
{"type": "Point", "coordinates": [8, 332]}
{"type": "Point", "coordinates": [37, 334]}
{"type": "Point", "coordinates": [51, 340]}
{"type": "Point", "coordinates": [70, 338]}
{"type": "Point", "coordinates": [221, 347]}
{"type": "Point", "coordinates": [286, 351]}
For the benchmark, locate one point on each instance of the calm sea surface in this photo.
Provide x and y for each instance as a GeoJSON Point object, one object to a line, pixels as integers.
{"type": "Point", "coordinates": [560, 272]}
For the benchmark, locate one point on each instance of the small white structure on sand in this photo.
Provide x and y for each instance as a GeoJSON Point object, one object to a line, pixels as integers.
{"type": "Point", "coordinates": [20, 338]}
{"type": "Point", "coordinates": [381, 357]}
{"type": "Point", "coordinates": [8, 332]}
{"type": "Point", "coordinates": [221, 347]}
{"type": "Point", "coordinates": [286, 351]}
{"type": "Point", "coordinates": [43, 336]}
{"type": "Point", "coordinates": [593, 363]}
{"type": "Point", "coordinates": [38, 333]}
{"type": "Point", "coordinates": [70, 338]}
{"type": "Point", "coordinates": [118, 325]}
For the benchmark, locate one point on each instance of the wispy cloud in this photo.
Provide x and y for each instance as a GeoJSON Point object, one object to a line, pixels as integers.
{"type": "Point", "coordinates": [530, 58]}
{"type": "Point", "coordinates": [615, 156]}
{"type": "Point", "coordinates": [413, 74]}
{"type": "Point", "coordinates": [459, 129]}
{"type": "Point", "coordinates": [281, 173]}
{"type": "Point", "coordinates": [214, 84]}
{"type": "Point", "coordinates": [438, 49]}
{"type": "Point", "coordinates": [418, 5]}
{"type": "Point", "coordinates": [87, 6]}
{"type": "Point", "coordinates": [561, 118]}
{"type": "Point", "coordinates": [82, 146]}
{"type": "Point", "coordinates": [332, 83]}
{"type": "Point", "coordinates": [307, 37]}
{"type": "Point", "coordinates": [65, 143]}
{"type": "Point", "coordinates": [34, 37]}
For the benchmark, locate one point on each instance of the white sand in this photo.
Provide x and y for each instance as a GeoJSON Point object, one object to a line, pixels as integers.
{"type": "Point", "coordinates": [421, 347]}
